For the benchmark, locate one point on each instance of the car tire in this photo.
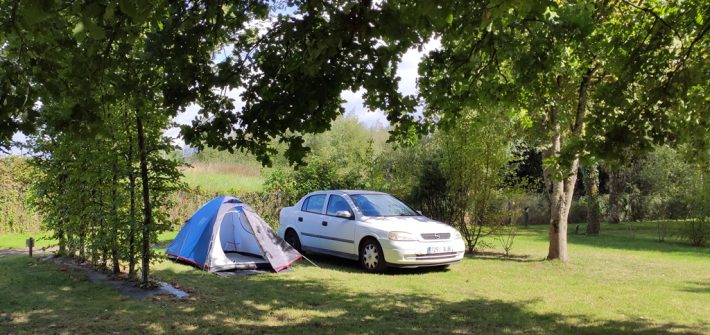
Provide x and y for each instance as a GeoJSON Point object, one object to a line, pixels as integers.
{"type": "Point", "coordinates": [372, 259]}
{"type": "Point", "coordinates": [292, 239]}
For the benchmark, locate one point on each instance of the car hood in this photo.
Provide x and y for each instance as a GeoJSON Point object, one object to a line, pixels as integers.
{"type": "Point", "coordinates": [410, 224]}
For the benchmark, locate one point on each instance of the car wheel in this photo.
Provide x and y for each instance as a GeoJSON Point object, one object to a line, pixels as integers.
{"type": "Point", "coordinates": [372, 259]}
{"type": "Point", "coordinates": [292, 239]}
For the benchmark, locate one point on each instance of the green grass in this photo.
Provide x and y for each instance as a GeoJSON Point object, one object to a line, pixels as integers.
{"type": "Point", "coordinates": [613, 284]}
{"type": "Point", "coordinates": [17, 241]}
{"type": "Point", "coordinates": [217, 182]}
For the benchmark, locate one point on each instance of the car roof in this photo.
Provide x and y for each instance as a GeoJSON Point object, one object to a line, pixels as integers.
{"type": "Point", "coordinates": [348, 192]}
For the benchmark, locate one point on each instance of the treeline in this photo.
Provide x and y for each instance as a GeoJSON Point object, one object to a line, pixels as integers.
{"type": "Point", "coordinates": [481, 184]}
{"type": "Point", "coordinates": [477, 177]}
{"type": "Point", "coordinates": [104, 197]}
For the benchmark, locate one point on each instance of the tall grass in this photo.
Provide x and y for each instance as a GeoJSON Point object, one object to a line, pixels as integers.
{"type": "Point", "coordinates": [221, 178]}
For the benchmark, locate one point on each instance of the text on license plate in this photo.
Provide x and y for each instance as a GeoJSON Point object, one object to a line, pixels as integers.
{"type": "Point", "coordinates": [439, 249]}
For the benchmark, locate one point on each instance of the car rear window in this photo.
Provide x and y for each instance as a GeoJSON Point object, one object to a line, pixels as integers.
{"type": "Point", "coordinates": [314, 204]}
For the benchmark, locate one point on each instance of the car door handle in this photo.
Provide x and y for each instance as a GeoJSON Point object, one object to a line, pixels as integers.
{"type": "Point", "coordinates": [325, 223]}
{"type": "Point", "coordinates": [300, 219]}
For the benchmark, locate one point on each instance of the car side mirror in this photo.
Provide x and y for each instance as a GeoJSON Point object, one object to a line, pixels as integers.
{"type": "Point", "coordinates": [344, 214]}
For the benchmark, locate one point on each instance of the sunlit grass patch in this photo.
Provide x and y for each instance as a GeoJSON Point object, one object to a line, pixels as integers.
{"type": "Point", "coordinates": [224, 178]}
{"type": "Point", "coordinates": [608, 287]}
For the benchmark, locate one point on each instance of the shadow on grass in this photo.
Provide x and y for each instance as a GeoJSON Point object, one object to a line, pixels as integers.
{"type": "Point", "coordinates": [351, 266]}
{"type": "Point", "coordinates": [39, 298]}
{"type": "Point", "coordinates": [639, 237]}
{"type": "Point", "coordinates": [697, 287]}
{"type": "Point", "coordinates": [499, 256]}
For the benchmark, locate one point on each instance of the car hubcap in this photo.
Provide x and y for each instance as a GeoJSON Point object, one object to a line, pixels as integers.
{"type": "Point", "coordinates": [369, 256]}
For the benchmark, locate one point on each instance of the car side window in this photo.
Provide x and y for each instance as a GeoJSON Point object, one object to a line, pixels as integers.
{"type": "Point", "coordinates": [336, 204]}
{"type": "Point", "coordinates": [314, 204]}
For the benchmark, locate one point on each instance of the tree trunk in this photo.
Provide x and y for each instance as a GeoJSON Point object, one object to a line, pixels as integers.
{"type": "Point", "coordinates": [114, 211]}
{"type": "Point", "coordinates": [132, 208]}
{"type": "Point", "coordinates": [147, 210]}
{"type": "Point", "coordinates": [561, 184]}
{"type": "Point", "coordinates": [591, 186]}
{"type": "Point", "coordinates": [561, 192]}
{"type": "Point", "coordinates": [614, 200]}
{"type": "Point", "coordinates": [61, 236]}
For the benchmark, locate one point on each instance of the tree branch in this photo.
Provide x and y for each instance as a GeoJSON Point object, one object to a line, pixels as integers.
{"type": "Point", "coordinates": [582, 100]}
{"type": "Point", "coordinates": [652, 13]}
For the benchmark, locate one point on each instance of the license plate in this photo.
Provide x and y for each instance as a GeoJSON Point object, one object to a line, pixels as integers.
{"type": "Point", "coordinates": [439, 249]}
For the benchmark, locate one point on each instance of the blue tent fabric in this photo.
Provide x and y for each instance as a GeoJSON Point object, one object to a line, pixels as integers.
{"type": "Point", "coordinates": [199, 241]}
{"type": "Point", "coordinates": [192, 242]}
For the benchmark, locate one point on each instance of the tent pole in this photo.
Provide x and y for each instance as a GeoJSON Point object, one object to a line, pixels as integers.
{"type": "Point", "coordinates": [310, 261]}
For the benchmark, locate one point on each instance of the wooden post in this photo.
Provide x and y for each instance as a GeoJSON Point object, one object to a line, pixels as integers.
{"type": "Point", "coordinates": [30, 244]}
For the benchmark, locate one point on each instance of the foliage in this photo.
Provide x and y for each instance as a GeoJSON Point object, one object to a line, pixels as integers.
{"type": "Point", "coordinates": [639, 67]}
{"type": "Point", "coordinates": [88, 192]}
{"type": "Point", "coordinates": [656, 186]}
{"type": "Point", "coordinates": [16, 212]}
{"type": "Point", "coordinates": [476, 153]}
{"type": "Point", "coordinates": [696, 231]}
{"type": "Point", "coordinates": [430, 193]}
{"type": "Point", "coordinates": [317, 175]}
{"type": "Point", "coordinates": [84, 69]}
{"type": "Point", "coordinates": [506, 237]}
{"type": "Point", "coordinates": [591, 188]}
{"type": "Point", "coordinates": [664, 229]}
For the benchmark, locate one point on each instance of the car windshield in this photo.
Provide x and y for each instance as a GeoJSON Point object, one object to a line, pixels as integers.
{"type": "Point", "coordinates": [381, 205]}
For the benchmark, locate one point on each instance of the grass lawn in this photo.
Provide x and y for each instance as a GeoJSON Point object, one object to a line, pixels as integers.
{"type": "Point", "coordinates": [224, 178]}
{"type": "Point", "coordinates": [613, 284]}
{"type": "Point", "coordinates": [17, 241]}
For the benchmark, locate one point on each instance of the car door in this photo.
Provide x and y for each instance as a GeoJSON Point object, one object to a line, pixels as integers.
{"type": "Point", "coordinates": [340, 230]}
{"type": "Point", "coordinates": [310, 220]}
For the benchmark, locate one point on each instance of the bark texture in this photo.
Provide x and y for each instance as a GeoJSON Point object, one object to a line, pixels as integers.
{"type": "Point", "coordinates": [147, 209]}
{"type": "Point", "coordinates": [591, 186]}
{"type": "Point", "coordinates": [614, 200]}
{"type": "Point", "coordinates": [560, 179]}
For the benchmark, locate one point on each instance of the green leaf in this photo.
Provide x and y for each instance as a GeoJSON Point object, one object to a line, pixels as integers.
{"type": "Point", "coordinates": [79, 28]}
{"type": "Point", "coordinates": [36, 11]}
{"type": "Point", "coordinates": [137, 10]}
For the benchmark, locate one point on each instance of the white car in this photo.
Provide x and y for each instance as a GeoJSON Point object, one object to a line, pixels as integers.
{"type": "Point", "coordinates": [373, 227]}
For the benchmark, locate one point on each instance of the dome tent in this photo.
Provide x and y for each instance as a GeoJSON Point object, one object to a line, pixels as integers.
{"type": "Point", "coordinates": [226, 234]}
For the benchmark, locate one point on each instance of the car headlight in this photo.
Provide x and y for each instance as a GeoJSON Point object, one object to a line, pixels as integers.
{"type": "Point", "coordinates": [400, 236]}
{"type": "Point", "coordinates": [456, 235]}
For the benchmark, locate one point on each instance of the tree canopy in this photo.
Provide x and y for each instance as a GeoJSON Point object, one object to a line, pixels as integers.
{"type": "Point", "coordinates": [594, 76]}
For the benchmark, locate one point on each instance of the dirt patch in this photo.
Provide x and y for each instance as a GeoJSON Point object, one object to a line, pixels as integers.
{"type": "Point", "coordinates": [26, 251]}
{"type": "Point", "coordinates": [123, 286]}
{"type": "Point", "coordinates": [502, 256]}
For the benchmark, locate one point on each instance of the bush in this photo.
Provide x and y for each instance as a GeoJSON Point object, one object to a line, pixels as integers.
{"type": "Point", "coordinates": [578, 211]}
{"type": "Point", "coordinates": [538, 209]}
{"type": "Point", "coordinates": [663, 228]}
{"type": "Point", "coordinates": [696, 231]}
{"type": "Point", "coordinates": [506, 237]}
